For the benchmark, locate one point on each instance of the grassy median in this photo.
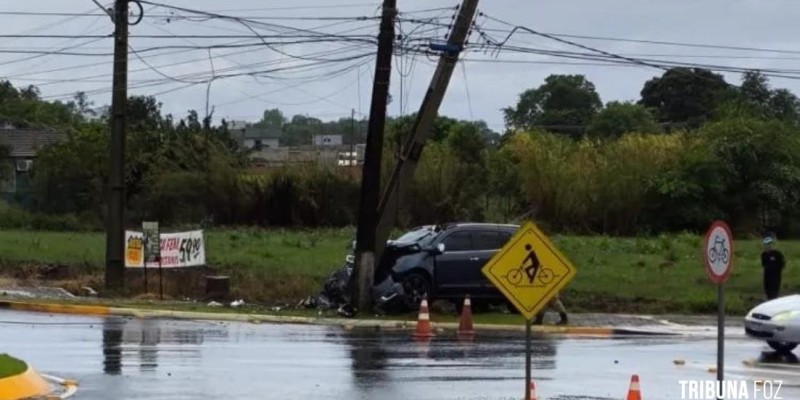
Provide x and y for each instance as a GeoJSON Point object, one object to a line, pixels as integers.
{"type": "Point", "coordinates": [10, 366]}
{"type": "Point", "coordinates": [636, 275]}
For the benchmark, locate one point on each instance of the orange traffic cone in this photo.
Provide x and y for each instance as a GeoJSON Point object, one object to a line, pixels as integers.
{"type": "Point", "coordinates": [533, 391]}
{"type": "Point", "coordinates": [423, 330]}
{"type": "Point", "coordinates": [633, 392]}
{"type": "Point", "coordinates": [465, 324]}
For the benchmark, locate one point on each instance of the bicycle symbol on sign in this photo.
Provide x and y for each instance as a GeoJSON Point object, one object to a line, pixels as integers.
{"type": "Point", "coordinates": [530, 273]}
{"type": "Point", "coordinates": [719, 251]}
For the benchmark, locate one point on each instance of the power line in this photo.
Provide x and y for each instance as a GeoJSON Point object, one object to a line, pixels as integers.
{"type": "Point", "coordinates": [300, 7]}
{"type": "Point", "coordinates": [187, 76]}
{"type": "Point", "coordinates": [157, 48]}
{"type": "Point", "coordinates": [568, 42]}
{"type": "Point", "coordinates": [256, 35]}
{"type": "Point", "coordinates": [168, 51]}
{"type": "Point", "coordinates": [178, 17]}
{"type": "Point", "coordinates": [642, 41]}
{"type": "Point", "coordinates": [264, 72]}
{"type": "Point", "coordinates": [697, 45]}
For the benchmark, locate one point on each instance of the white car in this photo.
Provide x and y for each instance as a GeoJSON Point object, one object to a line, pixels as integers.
{"type": "Point", "coordinates": [777, 322]}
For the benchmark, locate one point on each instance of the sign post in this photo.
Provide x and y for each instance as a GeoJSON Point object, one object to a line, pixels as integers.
{"type": "Point", "coordinates": [718, 257]}
{"type": "Point", "coordinates": [152, 251]}
{"type": "Point", "coordinates": [529, 271]}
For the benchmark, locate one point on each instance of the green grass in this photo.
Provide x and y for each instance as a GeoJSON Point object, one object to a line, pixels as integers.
{"type": "Point", "coordinates": [647, 275]}
{"type": "Point", "coordinates": [10, 366]}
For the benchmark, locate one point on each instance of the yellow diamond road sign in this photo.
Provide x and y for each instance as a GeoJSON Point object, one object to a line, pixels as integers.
{"type": "Point", "coordinates": [529, 270]}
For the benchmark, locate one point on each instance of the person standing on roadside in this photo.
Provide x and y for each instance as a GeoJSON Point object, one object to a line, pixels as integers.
{"type": "Point", "coordinates": [772, 261]}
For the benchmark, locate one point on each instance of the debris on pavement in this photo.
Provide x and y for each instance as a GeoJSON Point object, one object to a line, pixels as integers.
{"type": "Point", "coordinates": [334, 294]}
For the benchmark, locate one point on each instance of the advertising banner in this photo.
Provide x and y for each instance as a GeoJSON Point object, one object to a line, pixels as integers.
{"type": "Point", "coordinates": [178, 250]}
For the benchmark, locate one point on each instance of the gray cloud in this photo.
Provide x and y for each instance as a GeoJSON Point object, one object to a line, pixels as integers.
{"type": "Point", "coordinates": [491, 86]}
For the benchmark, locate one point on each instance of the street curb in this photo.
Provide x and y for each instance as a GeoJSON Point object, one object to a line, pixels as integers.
{"type": "Point", "coordinates": [56, 308]}
{"type": "Point", "coordinates": [346, 324]}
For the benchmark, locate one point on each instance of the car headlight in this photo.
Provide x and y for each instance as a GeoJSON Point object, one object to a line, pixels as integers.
{"type": "Point", "coordinates": [785, 316]}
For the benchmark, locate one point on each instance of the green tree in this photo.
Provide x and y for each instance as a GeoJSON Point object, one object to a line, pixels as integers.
{"type": "Point", "coordinates": [739, 168]}
{"type": "Point", "coordinates": [272, 119]}
{"type": "Point", "coordinates": [618, 118]}
{"type": "Point", "coordinates": [685, 95]}
{"type": "Point", "coordinates": [24, 108]}
{"type": "Point", "coordinates": [301, 130]}
{"type": "Point", "coordinates": [563, 104]}
{"type": "Point", "coordinates": [784, 105]}
{"type": "Point", "coordinates": [755, 89]}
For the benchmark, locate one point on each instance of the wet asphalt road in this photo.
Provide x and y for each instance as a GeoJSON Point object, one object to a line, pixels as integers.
{"type": "Point", "coordinates": [119, 358]}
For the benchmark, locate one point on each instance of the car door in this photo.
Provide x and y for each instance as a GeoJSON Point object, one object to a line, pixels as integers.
{"type": "Point", "coordinates": [449, 272]}
{"type": "Point", "coordinates": [486, 244]}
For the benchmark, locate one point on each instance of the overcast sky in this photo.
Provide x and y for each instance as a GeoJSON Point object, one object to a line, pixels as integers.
{"type": "Point", "coordinates": [478, 90]}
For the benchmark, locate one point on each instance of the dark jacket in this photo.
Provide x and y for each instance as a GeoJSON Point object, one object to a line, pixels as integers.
{"type": "Point", "coordinates": [773, 262]}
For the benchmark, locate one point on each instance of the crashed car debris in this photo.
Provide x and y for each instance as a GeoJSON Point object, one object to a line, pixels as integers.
{"type": "Point", "coordinates": [435, 261]}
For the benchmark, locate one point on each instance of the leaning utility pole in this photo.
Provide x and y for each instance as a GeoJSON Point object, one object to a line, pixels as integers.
{"type": "Point", "coordinates": [364, 269]}
{"type": "Point", "coordinates": [412, 151]}
{"type": "Point", "coordinates": [115, 223]}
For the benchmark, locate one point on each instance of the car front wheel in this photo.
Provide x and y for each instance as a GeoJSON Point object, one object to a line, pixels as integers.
{"type": "Point", "coordinates": [782, 347]}
{"type": "Point", "coordinates": [416, 287]}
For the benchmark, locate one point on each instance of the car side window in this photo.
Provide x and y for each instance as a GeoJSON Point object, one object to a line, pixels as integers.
{"type": "Point", "coordinates": [458, 241]}
{"type": "Point", "coordinates": [487, 240]}
{"type": "Point", "coordinates": [503, 238]}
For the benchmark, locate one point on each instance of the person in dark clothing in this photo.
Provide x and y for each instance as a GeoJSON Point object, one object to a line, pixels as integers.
{"type": "Point", "coordinates": [772, 261]}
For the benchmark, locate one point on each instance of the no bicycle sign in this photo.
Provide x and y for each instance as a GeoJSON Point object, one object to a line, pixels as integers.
{"type": "Point", "coordinates": [718, 252]}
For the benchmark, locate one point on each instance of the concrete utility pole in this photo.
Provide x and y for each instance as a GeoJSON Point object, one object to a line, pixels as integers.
{"type": "Point", "coordinates": [411, 152]}
{"type": "Point", "coordinates": [115, 223]}
{"type": "Point", "coordinates": [364, 270]}
{"type": "Point", "coordinates": [351, 157]}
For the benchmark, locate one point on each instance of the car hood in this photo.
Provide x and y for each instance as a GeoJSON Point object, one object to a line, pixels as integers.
{"type": "Point", "coordinates": [400, 245]}
{"type": "Point", "coordinates": [777, 306]}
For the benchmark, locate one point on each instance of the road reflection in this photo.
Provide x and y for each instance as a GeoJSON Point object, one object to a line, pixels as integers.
{"type": "Point", "coordinates": [385, 361]}
{"type": "Point", "coordinates": [140, 341]}
{"type": "Point", "coordinates": [112, 346]}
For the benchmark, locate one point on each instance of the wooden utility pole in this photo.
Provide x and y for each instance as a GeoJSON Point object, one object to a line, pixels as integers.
{"type": "Point", "coordinates": [364, 269]}
{"type": "Point", "coordinates": [115, 220]}
{"type": "Point", "coordinates": [412, 151]}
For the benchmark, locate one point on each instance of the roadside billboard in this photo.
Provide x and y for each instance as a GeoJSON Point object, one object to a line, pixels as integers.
{"type": "Point", "coordinates": [178, 250]}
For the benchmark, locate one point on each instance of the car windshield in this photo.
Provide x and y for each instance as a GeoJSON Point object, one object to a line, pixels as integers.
{"type": "Point", "coordinates": [420, 235]}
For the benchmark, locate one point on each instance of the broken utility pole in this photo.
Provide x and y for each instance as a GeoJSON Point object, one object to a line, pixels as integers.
{"type": "Point", "coordinates": [364, 268]}
{"type": "Point", "coordinates": [115, 220]}
{"type": "Point", "coordinates": [411, 152]}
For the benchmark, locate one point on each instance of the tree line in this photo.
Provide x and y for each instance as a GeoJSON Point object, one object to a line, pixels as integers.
{"type": "Point", "coordinates": [692, 149]}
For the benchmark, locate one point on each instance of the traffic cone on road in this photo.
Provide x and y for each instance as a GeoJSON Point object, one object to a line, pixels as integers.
{"type": "Point", "coordinates": [423, 330]}
{"type": "Point", "coordinates": [533, 390]}
{"type": "Point", "coordinates": [633, 391]}
{"type": "Point", "coordinates": [465, 324]}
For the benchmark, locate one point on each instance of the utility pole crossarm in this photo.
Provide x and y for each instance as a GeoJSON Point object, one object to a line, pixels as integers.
{"type": "Point", "coordinates": [412, 151]}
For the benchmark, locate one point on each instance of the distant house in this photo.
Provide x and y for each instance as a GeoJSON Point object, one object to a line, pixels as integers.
{"type": "Point", "coordinates": [327, 140]}
{"type": "Point", "coordinates": [23, 145]}
{"type": "Point", "coordinates": [261, 138]}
